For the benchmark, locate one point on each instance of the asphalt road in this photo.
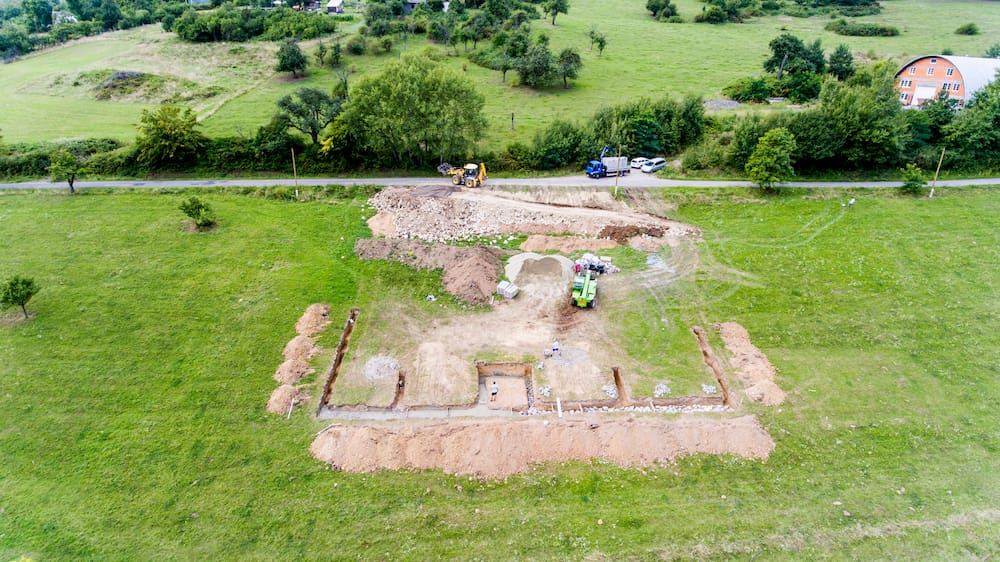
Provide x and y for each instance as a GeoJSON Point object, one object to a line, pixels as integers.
{"type": "Point", "coordinates": [579, 180]}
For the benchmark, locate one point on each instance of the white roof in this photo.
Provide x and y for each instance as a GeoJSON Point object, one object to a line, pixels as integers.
{"type": "Point", "coordinates": [977, 72]}
{"type": "Point", "coordinates": [334, 3]}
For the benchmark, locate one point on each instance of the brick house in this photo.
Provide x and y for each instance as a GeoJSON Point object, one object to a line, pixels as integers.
{"type": "Point", "coordinates": [922, 78]}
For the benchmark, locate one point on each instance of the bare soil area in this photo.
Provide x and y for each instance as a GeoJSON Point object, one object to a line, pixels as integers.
{"type": "Point", "coordinates": [313, 320]}
{"type": "Point", "coordinates": [474, 213]}
{"type": "Point", "coordinates": [565, 244]}
{"type": "Point", "coordinates": [496, 449]}
{"type": "Point", "coordinates": [752, 366]}
{"type": "Point", "coordinates": [284, 397]}
{"type": "Point", "coordinates": [292, 371]}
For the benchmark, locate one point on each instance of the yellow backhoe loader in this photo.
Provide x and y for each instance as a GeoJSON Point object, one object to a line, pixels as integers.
{"type": "Point", "coordinates": [470, 175]}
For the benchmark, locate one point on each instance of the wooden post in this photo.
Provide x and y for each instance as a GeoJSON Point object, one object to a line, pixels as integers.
{"type": "Point", "coordinates": [938, 170]}
{"type": "Point", "coordinates": [295, 174]}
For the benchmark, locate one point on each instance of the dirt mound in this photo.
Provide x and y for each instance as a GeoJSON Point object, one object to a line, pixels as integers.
{"type": "Point", "coordinates": [315, 318]}
{"type": "Point", "coordinates": [752, 366]}
{"type": "Point", "coordinates": [382, 225]}
{"type": "Point", "coordinates": [292, 371]}
{"type": "Point", "coordinates": [496, 449]}
{"type": "Point", "coordinates": [565, 244]}
{"type": "Point", "coordinates": [284, 397]}
{"type": "Point", "coordinates": [473, 278]}
{"type": "Point", "coordinates": [622, 234]}
{"type": "Point", "coordinates": [299, 347]}
{"type": "Point", "coordinates": [470, 273]}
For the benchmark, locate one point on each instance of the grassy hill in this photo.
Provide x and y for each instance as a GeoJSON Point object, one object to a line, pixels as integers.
{"type": "Point", "coordinates": [233, 87]}
{"type": "Point", "coordinates": [132, 422]}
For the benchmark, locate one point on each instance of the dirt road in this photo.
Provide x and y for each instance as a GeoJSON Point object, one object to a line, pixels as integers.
{"type": "Point", "coordinates": [639, 180]}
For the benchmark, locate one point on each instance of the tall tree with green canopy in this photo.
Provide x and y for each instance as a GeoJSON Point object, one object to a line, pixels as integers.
{"type": "Point", "coordinates": [841, 62]}
{"type": "Point", "coordinates": [414, 111]}
{"type": "Point", "coordinates": [290, 58]}
{"type": "Point", "coordinates": [168, 136]}
{"type": "Point", "coordinates": [66, 166]}
{"type": "Point", "coordinates": [569, 63]}
{"type": "Point", "coordinates": [310, 111]}
{"type": "Point", "coordinates": [555, 7]}
{"type": "Point", "coordinates": [771, 161]}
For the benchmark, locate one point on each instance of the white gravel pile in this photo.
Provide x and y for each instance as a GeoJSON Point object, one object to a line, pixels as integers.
{"type": "Point", "coordinates": [380, 367]}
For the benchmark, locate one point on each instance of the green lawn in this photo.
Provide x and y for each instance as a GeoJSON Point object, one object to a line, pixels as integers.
{"type": "Point", "coordinates": [132, 422]}
{"type": "Point", "coordinates": [644, 58]}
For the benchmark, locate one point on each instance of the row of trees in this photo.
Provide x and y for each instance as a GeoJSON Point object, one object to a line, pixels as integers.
{"type": "Point", "coordinates": [231, 23]}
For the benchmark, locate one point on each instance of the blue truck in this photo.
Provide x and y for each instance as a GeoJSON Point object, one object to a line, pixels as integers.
{"type": "Point", "coordinates": [608, 165]}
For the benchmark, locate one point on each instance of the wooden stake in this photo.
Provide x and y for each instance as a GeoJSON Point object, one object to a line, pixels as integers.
{"type": "Point", "coordinates": [936, 172]}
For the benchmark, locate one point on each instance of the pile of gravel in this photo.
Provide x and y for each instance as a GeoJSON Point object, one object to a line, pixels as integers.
{"type": "Point", "coordinates": [661, 390]}
{"type": "Point", "coordinates": [380, 367]}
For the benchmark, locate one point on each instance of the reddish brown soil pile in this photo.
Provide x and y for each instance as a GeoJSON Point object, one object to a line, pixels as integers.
{"type": "Point", "coordinates": [315, 318]}
{"type": "Point", "coordinates": [621, 234]}
{"type": "Point", "coordinates": [499, 448]}
{"type": "Point", "coordinates": [291, 371]}
{"type": "Point", "coordinates": [752, 367]}
{"type": "Point", "coordinates": [470, 273]}
{"type": "Point", "coordinates": [565, 244]}
{"type": "Point", "coordinates": [284, 397]}
{"type": "Point", "coordinates": [299, 347]}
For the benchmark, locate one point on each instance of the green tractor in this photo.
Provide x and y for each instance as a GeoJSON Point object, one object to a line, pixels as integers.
{"type": "Point", "coordinates": [585, 289]}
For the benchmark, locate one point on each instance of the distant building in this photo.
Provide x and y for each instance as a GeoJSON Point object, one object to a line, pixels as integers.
{"type": "Point", "coordinates": [922, 78]}
{"type": "Point", "coordinates": [335, 7]}
{"type": "Point", "coordinates": [410, 5]}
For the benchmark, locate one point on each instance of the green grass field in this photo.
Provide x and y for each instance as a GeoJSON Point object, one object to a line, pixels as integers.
{"type": "Point", "coordinates": [644, 58]}
{"type": "Point", "coordinates": [131, 405]}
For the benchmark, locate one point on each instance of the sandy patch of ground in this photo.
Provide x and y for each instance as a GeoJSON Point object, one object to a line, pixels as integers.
{"type": "Point", "coordinates": [382, 224]}
{"type": "Point", "coordinates": [499, 448]}
{"type": "Point", "coordinates": [470, 273]}
{"type": "Point", "coordinates": [511, 392]}
{"type": "Point", "coordinates": [440, 377]}
{"type": "Point", "coordinates": [299, 347]}
{"type": "Point", "coordinates": [752, 366]}
{"type": "Point", "coordinates": [313, 320]}
{"type": "Point", "coordinates": [565, 244]}
{"type": "Point", "coordinates": [284, 397]}
{"type": "Point", "coordinates": [291, 371]}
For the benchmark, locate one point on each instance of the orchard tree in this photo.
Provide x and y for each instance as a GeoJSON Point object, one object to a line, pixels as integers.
{"type": "Point", "coordinates": [555, 7]}
{"type": "Point", "coordinates": [771, 161]}
{"type": "Point", "coordinates": [321, 53]}
{"type": "Point", "coordinates": [168, 136]}
{"type": "Point", "coordinates": [570, 64]}
{"type": "Point", "coordinates": [310, 111]}
{"type": "Point", "coordinates": [17, 291]}
{"type": "Point", "coordinates": [66, 166]}
{"type": "Point", "coordinates": [536, 68]}
{"type": "Point", "coordinates": [290, 58]}
{"type": "Point", "coordinates": [841, 62]}
{"type": "Point", "coordinates": [602, 42]}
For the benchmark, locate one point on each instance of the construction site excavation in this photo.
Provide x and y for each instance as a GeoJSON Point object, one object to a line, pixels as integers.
{"type": "Point", "coordinates": [562, 330]}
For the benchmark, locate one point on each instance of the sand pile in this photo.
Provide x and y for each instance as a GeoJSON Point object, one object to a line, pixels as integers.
{"type": "Point", "coordinates": [495, 449]}
{"type": "Point", "coordinates": [284, 397]}
{"type": "Point", "coordinates": [752, 366]}
{"type": "Point", "coordinates": [299, 347]}
{"type": "Point", "coordinates": [313, 320]}
{"type": "Point", "coordinates": [470, 273]}
{"type": "Point", "coordinates": [291, 371]}
{"type": "Point", "coordinates": [565, 244]}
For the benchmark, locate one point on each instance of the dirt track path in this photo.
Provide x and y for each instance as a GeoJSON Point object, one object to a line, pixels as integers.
{"type": "Point", "coordinates": [639, 180]}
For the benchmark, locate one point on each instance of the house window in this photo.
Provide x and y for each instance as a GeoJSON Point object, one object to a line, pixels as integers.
{"type": "Point", "coordinates": [949, 72]}
{"type": "Point", "coordinates": [930, 71]}
{"type": "Point", "coordinates": [906, 83]}
{"type": "Point", "coordinates": [946, 86]}
{"type": "Point", "coordinates": [955, 86]}
{"type": "Point", "coordinates": [903, 96]}
{"type": "Point", "coordinates": [933, 61]}
{"type": "Point", "coordinates": [913, 70]}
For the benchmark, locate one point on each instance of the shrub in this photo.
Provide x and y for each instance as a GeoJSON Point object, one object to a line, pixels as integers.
{"type": "Point", "coordinates": [844, 27]}
{"type": "Point", "coordinates": [357, 45]}
{"type": "Point", "coordinates": [913, 179]}
{"type": "Point", "coordinates": [967, 29]}
{"type": "Point", "coordinates": [748, 90]}
{"type": "Point", "coordinates": [198, 211]}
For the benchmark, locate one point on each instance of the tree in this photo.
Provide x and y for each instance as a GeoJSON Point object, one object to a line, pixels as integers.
{"type": "Point", "coordinates": [66, 166]}
{"type": "Point", "coordinates": [415, 110]}
{"type": "Point", "coordinates": [321, 53]}
{"type": "Point", "coordinates": [842, 62]}
{"type": "Point", "coordinates": [109, 13]}
{"type": "Point", "coordinates": [38, 14]}
{"type": "Point", "coordinates": [975, 132]}
{"type": "Point", "coordinates": [168, 137]}
{"type": "Point", "coordinates": [555, 7]}
{"type": "Point", "coordinates": [913, 179]}
{"type": "Point", "coordinates": [661, 9]}
{"type": "Point", "coordinates": [602, 42]}
{"type": "Point", "coordinates": [771, 161]}
{"type": "Point", "coordinates": [17, 291]}
{"type": "Point", "coordinates": [788, 53]}
{"type": "Point", "coordinates": [337, 53]}
{"type": "Point", "coordinates": [311, 112]}
{"type": "Point", "coordinates": [536, 68]}
{"type": "Point", "coordinates": [570, 64]}
{"type": "Point", "coordinates": [290, 58]}
{"type": "Point", "coordinates": [199, 211]}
